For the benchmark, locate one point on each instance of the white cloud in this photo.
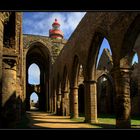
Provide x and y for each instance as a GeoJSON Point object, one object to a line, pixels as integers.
{"type": "Point", "coordinates": [40, 23]}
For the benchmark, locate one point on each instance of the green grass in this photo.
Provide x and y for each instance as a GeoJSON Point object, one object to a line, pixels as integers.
{"type": "Point", "coordinates": [109, 121]}
{"type": "Point", "coordinates": [135, 122]}
{"type": "Point", "coordinates": [80, 119]}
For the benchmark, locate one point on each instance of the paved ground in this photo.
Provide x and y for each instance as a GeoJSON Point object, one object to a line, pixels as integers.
{"type": "Point", "coordinates": [45, 120]}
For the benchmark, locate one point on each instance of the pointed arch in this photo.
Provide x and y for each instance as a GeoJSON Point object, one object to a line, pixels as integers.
{"type": "Point", "coordinates": [75, 71]}
{"type": "Point", "coordinates": [93, 55]}
{"type": "Point", "coordinates": [34, 74]}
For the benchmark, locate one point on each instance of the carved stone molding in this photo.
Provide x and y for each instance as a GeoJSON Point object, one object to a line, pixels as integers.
{"type": "Point", "coordinates": [5, 17]}
{"type": "Point", "coordinates": [10, 62]}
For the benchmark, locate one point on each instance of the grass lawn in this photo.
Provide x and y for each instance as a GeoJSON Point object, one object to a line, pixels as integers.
{"type": "Point", "coordinates": [108, 121]}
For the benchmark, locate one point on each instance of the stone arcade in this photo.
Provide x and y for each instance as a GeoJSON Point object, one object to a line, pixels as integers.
{"type": "Point", "coordinates": [70, 84]}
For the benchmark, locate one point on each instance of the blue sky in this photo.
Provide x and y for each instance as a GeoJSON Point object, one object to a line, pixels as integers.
{"type": "Point", "coordinates": [39, 23]}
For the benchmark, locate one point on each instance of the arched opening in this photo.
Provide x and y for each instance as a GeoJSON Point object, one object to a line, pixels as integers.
{"type": "Point", "coordinates": [135, 110]}
{"type": "Point", "coordinates": [77, 94]}
{"type": "Point", "coordinates": [81, 102]}
{"type": "Point", "coordinates": [104, 59]}
{"type": "Point", "coordinates": [74, 88]}
{"type": "Point", "coordinates": [9, 32]}
{"type": "Point", "coordinates": [34, 101]}
{"type": "Point", "coordinates": [135, 59]}
{"type": "Point", "coordinates": [65, 93]}
{"type": "Point", "coordinates": [105, 97]}
{"type": "Point", "coordinates": [37, 75]}
{"type": "Point", "coordinates": [81, 92]}
{"type": "Point", "coordinates": [105, 93]}
{"type": "Point", "coordinates": [100, 61]}
{"type": "Point", "coordinates": [34, 74]}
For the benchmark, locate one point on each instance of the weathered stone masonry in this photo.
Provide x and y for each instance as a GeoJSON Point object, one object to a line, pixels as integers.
{"type": "Point", "coordinates": [60, 61]}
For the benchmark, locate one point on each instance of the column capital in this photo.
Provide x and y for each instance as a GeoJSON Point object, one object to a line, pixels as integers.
{"type": "Point", "coordinates": [5, 16]}
{"type": "Point", "coordinates": [10, 62]}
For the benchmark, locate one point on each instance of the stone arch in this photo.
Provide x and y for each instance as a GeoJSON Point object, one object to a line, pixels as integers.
{"type": "Point", "coordinates": [30, 72]}
{"type": "Point", "coordinates": [74, 71]}
{"type": "Point", "coordinates": [130, 37]}
{"type": "Point", "coordinates": [39, 54]}
{"type": "Point", "coordinates": [65, 92]}
{"type": "Point", "coordinates": [91, 78]}
{"type": "Point", "coordinates": [65, 78]}
{"type": "Point", "coordinates": [34, 105]}
{"type": "Point", "coordinates": [123, 72]}
{"type": "Point", "coordinates": [130, 46]}
{"type": "Point", "coordinates": [93, 54]}
{"type": "Point", "coordinates": [74, 87]}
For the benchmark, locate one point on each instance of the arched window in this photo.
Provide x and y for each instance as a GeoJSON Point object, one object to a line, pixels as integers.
{"type": "Point", "coordinates": [135, 59]}
{"type": "Point", "coordinates": [34, 74]}
{"type": "Point", "coordinates": [34, 101]}
{"type": "Point", "coordinates": [104, 59]}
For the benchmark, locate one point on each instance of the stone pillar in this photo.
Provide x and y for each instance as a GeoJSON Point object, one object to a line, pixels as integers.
{"type": "Point", "coordinates": [74, 102]}
{"type": "Point", "coordinates": [59, 104]}
{"type": "Point", "coordinates": [51, 103]}
{"type": "Point", "coordinates": [19, 99]}
{"type": "Point", "coordinates": [65, 103]}
{"type": "Point", "coordinates": [9, 92]}
{"type": "Point", "coordinates": [1, 53]}
{"type": "Point", "coordinates": [63, 106]}
{"type": "Point", "coordinates": [123, 105]}
{"type": "Point", "coordinates": [54, 102]}
{"type": "Point", "coordinates": [66, 97]}
{"type": "Point", "coordinates": [90, 102]}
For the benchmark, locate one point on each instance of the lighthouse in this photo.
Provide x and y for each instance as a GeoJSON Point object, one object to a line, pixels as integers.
{"type": "Point", "coordinates": [55, 32]}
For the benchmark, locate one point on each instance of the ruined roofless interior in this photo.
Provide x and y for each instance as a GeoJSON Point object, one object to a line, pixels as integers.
{"type": "Point", "coordinates": [70, 82]}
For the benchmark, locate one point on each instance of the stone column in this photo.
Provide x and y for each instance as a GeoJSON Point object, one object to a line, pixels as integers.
{"type": "Point", "coordinates": [66, 97]}
{"type": "Point", "coordinates": [123, 105]}
{"type": "Point", "coordinates": [74, 102]}
{"type": "Point", "coordinates": [19, 99]}
{"type": "Point", "coordinates": [1, 53]}
{"type": "Point", "coordinates": [9, 92]}
{"type": "Point", "coordinates": [54, 102]}
{"type": "Point", "coordinates": [65, 103]}
{"type": "Point", "coordinates": [63, 106]}
{"type": "Point", "coordinates": [90, 102]}
{"type": "Point", "coordinates": [59, 103]}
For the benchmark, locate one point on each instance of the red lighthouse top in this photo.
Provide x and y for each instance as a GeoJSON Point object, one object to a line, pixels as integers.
{"type": "Point", "coordinates": [55, 32]}
{"type": "Point", "coordinates": [55, 23]}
